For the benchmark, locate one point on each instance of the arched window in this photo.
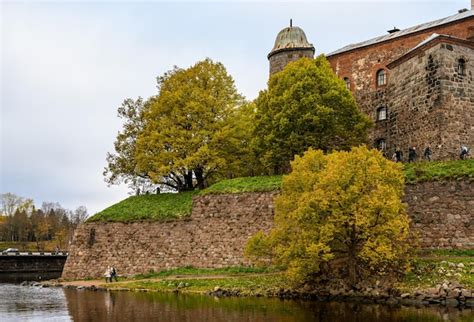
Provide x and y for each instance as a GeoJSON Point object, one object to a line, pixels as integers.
{"type": "Point", "coordinates": [381, 77]}
{"type": "Point", "coordinates": [382, 113]}
{"type": "Point", "coordinates": [461, 69]}
{"type": "Point", "coordinates": [348, 83]}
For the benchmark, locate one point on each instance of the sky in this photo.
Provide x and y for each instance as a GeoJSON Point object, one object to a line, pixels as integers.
{"type": "Point", "coordinates": [67, 66]}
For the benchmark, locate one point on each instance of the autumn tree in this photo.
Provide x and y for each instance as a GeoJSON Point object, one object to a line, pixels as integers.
{"type": "Point", "coordinates": [340, 212]}
{"type": "Point", "coordinates": [121, 165]}
{"type": "Point", "coordinates": [185, 139]}
{"type": "Point", "coordinates": [28, 224]}
{"type": "Point", "coordinates": [234, 141]}
{"type": "Point", "coordinates": [306, 105]}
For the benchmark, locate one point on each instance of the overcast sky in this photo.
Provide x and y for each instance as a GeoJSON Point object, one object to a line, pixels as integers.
{"type": "Point", "coordinates": [67, 66]}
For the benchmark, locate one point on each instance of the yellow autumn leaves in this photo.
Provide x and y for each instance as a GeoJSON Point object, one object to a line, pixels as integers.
{"type": "Point", "coordinates": [340, 207]}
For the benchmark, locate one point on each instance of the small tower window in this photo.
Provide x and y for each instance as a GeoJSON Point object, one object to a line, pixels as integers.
{"type": "Point", "coordinates": [382, 113]}
{"type": "Point", "coordinates": [461, 69]}
{"type": "Point", "coordinates": [381, 77]}
{"type": "Point", "coordinates": [348, 83]}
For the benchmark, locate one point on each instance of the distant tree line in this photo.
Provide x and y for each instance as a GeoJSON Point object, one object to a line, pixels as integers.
{"type": "Point", "coordinates": [21, 221]}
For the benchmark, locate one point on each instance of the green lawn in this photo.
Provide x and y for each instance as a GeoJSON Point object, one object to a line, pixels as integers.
{"type": "Point", "coordinates": [428, 268]}
{"type": "Point", "coordinates": [189, 270]}
{"type": "Point", "coordinates": [245, 184]}
{"type": "Point", "coordinates": [431, 268]}
{"type": "Point", "coordinates": [161, 207]}
{"type": "Point", "coordinates": [172, 206]}
{"type": "Point", "coordinates": [439, 170]}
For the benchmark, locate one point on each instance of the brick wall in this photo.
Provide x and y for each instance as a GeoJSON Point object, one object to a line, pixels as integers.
{"type": "Point", "coordinates": [220, 225]}
{"type": "Point", "coordinates": [428, 104]}
{"type": "Point", "coordinates": [361, 64]}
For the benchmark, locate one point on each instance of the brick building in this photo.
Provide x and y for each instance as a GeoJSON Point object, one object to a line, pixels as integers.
{"type": "Point", "coordinates": [417, 84]}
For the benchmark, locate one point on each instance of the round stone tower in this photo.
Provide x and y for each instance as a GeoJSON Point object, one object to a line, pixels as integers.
{"type": "Point", "coordinates": [290, 44]}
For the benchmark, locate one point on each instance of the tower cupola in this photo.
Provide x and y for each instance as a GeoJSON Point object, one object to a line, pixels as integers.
{"type": "Point", "coordinates": [290, 44]}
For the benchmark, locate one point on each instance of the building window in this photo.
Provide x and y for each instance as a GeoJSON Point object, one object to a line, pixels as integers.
{"type": "Point", "coordinates": [461, 67]}
{"type": "Point", "coordinates": [381, 77]}
{"type": "Point", "coordinates": [382, 113]}
{"type": "Point", "coordinates": [348, 83]}
{"type": "Point", "coordinates": [381, 145]}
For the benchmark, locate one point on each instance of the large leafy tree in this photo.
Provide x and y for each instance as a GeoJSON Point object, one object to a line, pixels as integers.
{"type": "Point", "coordinates": [306, 105]}
{"type": "Point", "coordinates": [186, 137]}
{"type": "Point", "coordinates": [122, 165]}
{"type": "Point", "coordinates": [340, 212]}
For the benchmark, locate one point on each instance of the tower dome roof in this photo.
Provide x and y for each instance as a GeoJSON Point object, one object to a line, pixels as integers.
{"type": "Point", "coordinates": [290, 38]}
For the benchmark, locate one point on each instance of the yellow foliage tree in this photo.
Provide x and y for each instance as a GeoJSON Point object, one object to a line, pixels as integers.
{"type": "Point", "coordinates": [188, 136]}
{"type": "Point", "coordinates": [341, 211]}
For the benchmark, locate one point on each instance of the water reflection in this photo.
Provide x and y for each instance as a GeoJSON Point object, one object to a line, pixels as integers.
{"type": "Point", "coordinates": [125, 306]}
{"type": "Point", "coordinates": [19, 303]}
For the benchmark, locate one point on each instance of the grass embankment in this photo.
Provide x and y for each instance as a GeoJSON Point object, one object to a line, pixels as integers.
{"type": "Point", "coordinates": [173, 206]}
{"type": "Point", "coordinates": [245, 184]}
{"type": "Point", "coordinates": [161, 207]}
{"type": "Point", "coordinates": [433, 267]}
{"type": "Point", "coordinates": [246, 280]}
{"type": "Point", "coordinates": [439, 170]}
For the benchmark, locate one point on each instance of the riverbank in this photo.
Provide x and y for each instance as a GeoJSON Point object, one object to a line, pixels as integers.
{"type": "Point", "coordinates": [437, 278]}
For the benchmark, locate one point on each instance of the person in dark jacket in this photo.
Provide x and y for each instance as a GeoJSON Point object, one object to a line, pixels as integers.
{"type": "Point", "coordinates": [412, 154]}
{"type": "Point", "coordinates": [399, 155]}
{"type": "Point", "coordinates": [427, 154]}
{"type": "Point", "coordinates": [113, 274]}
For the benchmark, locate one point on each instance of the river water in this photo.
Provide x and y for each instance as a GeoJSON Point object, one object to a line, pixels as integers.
{"type": "Point", "coordinates": [23, 303]}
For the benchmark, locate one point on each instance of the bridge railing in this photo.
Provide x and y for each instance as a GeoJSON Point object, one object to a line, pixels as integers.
{"type": "Point", "coordinates": [61, 253]}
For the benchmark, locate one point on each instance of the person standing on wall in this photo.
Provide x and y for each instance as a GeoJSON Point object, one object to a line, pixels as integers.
{"type": "Point", "coordinates": [464, 152]}
{"type": "Point", "coordinates": [412, 154]}
{"type": "Point", "coordinates": [399, 155]}
{"type": "Point", "coordinates": [427, 154]}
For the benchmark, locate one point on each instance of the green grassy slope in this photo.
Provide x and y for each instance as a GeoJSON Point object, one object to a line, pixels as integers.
{"type": "Point", "coordinates": [162, 207]}
{"type": "Point", "coordinates": [439, 170]}
{"type": "Point", "coordinates": [245, 184]}
{"type": "Point", "coordinates": [172, 206]}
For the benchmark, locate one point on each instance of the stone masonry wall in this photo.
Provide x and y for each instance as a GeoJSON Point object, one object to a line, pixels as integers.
{"type": "Point", "coordinates": [442, 213]}
{"type": "Point", "coordinates": [214, 236]}
{"type": "Point", "coordinates": [430, 104]}
{"type": "Point", "coordinates": [219, 226]}
{"type": "Point", "coordinates": [279, 60]}
{"type": "Point", "coordinates": [422, 121]}
{"type": "Point", "coordinates": [360, 65]}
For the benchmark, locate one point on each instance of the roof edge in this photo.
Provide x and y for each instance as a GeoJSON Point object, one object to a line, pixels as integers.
{"type": "Point", "coordinates": [337, 52]}
{"type": "Point", "coordinates": [290, 49]}
{"type": "Point", "coordinates": [429, 44]}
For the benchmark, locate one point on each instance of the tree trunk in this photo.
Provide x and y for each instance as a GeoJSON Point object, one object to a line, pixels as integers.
{"type": "Point", "coordinates": [199, 173]}
{"type": "Point", "coordinates": [188, 179]}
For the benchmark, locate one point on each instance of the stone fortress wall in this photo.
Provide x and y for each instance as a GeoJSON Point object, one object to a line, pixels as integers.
{"type": "Point", "coordinates": [428, 103]}
{"type": "Point", "coordinates": [220, 225]}
{"type": "Point", "coordinates": [431, 103]}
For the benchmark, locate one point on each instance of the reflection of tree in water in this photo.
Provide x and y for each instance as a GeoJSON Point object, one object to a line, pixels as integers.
{"type": "Point", "coordinates": [132, 306]}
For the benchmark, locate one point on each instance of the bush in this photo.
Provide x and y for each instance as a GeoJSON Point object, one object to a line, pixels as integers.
{"type": "Point", "coordinates": [340, 212]}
